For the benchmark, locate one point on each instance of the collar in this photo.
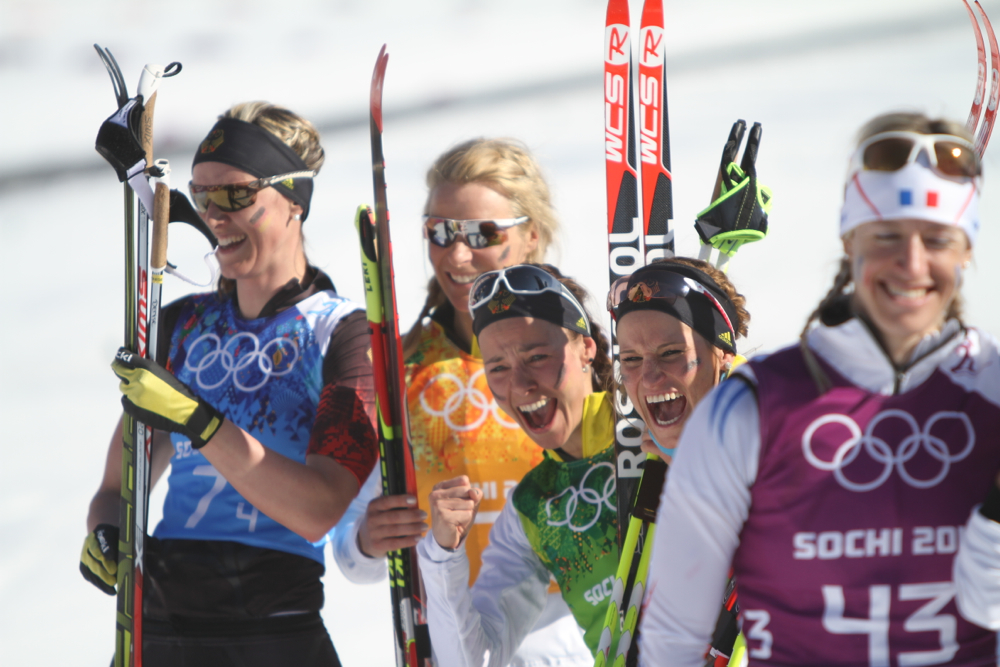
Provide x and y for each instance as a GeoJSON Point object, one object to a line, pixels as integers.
{"type": "Point", "coordinates": [292, 291]}
{"type": "Point", "coordinates": [852, 349]}
{"type": "Point", "coordinates": [598, 427]}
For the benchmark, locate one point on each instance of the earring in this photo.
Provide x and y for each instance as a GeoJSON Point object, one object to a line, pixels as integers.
{"type": "Point", "coordinates": [966, 265]}
{"type": "Point", "coordinates": [587, 367]}
{"type": "Point", "coordinates": [297, 217]}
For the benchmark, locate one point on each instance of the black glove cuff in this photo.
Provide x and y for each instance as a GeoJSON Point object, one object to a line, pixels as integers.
{"type": "Point", "coordinates": [107, 540]}
{"type": "Point", "coordinates": [204, 423]}
{"type": "Point", "coordinates": [991, 506]}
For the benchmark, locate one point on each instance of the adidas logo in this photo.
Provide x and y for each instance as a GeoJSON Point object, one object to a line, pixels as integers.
{"type": "Point", "coordinates": [581, 323]}
{"type": "Point", "coordinates": [726, 338]}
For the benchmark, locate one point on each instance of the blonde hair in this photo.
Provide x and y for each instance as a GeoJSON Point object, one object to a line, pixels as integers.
{"type": "Point", "coordinates": [503, 165]}
{"type": "Point", "coordinates": [292, 129]}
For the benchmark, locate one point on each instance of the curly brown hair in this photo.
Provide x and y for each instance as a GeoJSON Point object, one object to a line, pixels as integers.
{"type": "Point", "coordinates": [742, 323]}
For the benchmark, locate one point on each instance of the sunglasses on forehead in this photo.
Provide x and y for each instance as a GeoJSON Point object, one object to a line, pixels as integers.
{"type": "Point", "coordinates": [477, 234]}
{"type": "Point", "coordinates": [237, 196]}
{"type": "Point", "coordinates": [660, 286]}
{"type": "Point", "coordinates": [522, 279]}
{"type": "Point", "coordinates": [891, 151]}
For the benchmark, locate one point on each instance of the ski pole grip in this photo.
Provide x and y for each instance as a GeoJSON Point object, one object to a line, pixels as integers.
{"type": "Point", "coordinates": [161, 216]}
{"type": "Point", "coordinates": [146, 128]}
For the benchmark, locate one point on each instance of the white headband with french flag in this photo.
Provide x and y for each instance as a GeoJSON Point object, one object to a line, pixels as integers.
{"type": "Point", "coordinates": [915, 191]}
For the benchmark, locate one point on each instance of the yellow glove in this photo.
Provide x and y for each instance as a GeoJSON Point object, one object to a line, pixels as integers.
{"type": "Point", "coordinates": [99, 560]}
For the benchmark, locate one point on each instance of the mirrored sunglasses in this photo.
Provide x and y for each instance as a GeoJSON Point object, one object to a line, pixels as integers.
{"type": "Point", "coordinates": [891, 151]}
{"type": "Point", "coordinates": [237, 196]}
{"type": "Point", "coordinates": [477, 234]}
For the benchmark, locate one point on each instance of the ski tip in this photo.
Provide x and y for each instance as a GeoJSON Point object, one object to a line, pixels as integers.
{"type": "Point", "coordinates": [652, 14]}
{"type": "Point", "coordinates": [378, 78]}
{"type": "Point", "coordinates": [617, 13]}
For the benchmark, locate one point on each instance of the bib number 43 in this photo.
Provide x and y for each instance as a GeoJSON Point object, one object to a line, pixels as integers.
{"type": "Point", "coordinates": [876, 626]}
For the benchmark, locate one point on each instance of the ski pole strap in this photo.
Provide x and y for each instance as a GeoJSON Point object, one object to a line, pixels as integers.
{"type": "Point", "coordinates": [739, 211]}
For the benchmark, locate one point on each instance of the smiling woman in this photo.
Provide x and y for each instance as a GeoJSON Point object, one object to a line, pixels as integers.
{"type": "Point", "coordinates": [816, 474]}
{"type": "Point", "coordinates": [261, 401]}
{"type": "Point", "coordinates": [487, 208]}
{"type": "Point", "coordinates": [548, 367]}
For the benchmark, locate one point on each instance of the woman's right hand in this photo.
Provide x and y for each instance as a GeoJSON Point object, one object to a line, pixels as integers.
{"type": "Point", "coordinates": [391, 523]}
{"type": "Point", "coordinates": [454, 505]}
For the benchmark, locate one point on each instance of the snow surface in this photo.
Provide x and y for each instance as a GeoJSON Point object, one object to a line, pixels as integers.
{"type": "Point", "coordinates": [810, 72]}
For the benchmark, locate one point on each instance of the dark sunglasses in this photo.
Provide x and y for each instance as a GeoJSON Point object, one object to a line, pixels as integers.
{"type": "Point", "coordinates": [477, 234]}
{"type": "Point", "coordinates": [660, 286]}
{"type": "Point", "coordinates": [237, 196]}
{"type": "Point", "coordinates": [891, 151]}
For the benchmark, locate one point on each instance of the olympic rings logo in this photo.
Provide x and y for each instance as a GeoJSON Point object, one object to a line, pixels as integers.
{"type": "Point", "coordinates": [249, 369]}
{"type": "Point", "coordinates": [880, 451]}
{"type": "Point", "coordinates": [586, 495]}
{"type": "Point", "coordinates": [475, 397]}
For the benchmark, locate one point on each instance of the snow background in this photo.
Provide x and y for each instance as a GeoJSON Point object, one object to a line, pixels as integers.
{"type": "Point", "coordinates": [810, 72]}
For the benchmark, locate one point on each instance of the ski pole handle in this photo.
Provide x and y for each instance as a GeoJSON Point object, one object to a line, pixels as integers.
{"type": "Point", "coordinates": [161, 216]}
{"type": "Point", "coordinates": [149, 81]}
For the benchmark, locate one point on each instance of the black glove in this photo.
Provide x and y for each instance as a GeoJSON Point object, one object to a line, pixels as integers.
{"type": "Point", "coordinates": [99, 560]}
{"type": "Point", "coordinates": [156, 398]}
{"type": "Point", "coordinates": [739, 208]}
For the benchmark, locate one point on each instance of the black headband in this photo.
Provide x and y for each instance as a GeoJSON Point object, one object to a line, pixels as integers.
{"type": "Point", "coordinates": [548, 306]}
{"type": "Point", "coordinates": [256, 151]}
{"type": "Point", "coordinates": [695, 310]}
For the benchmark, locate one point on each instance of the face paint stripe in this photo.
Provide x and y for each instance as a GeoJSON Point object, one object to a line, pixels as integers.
{"type": "Point", "coordinates": [258, 215]}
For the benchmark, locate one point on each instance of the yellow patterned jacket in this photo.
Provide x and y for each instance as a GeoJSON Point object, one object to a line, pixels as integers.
{"type": "Point", "coordinates": [456, 428]}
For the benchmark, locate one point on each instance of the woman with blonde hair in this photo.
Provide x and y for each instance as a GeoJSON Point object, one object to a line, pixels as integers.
{"type": "Point", "coordinates": [488, 207]}
{"type": "Point", "coordinates": [260, 398]}
{"type": "Point", "coordinates": [835, 476]}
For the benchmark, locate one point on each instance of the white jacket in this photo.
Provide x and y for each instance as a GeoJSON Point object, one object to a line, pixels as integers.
{"type": "Point", "coordinates": [542, 630]}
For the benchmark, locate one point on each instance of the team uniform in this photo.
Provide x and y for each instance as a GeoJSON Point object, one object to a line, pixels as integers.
{"type": "Point", "coordinates": [222, 576]}
{"type": "Point", "coordinates": [560, 523]}
{"type": "Point", "coordinates": [456, 428]}
{"type": "Point", "coordinates": [840, 512]}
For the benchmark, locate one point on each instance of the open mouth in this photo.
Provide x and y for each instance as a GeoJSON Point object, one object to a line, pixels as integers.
{"type": "Point", "coordinates": [912, 294]}
{"type": "Point", "coordinates": [463, 280]}
{"type": "Point", "coordinates": [230, 243]}
{"type": "Point", "coordinates": [539, 415]}
{"type": "Point", "coordinates": [666, 409]}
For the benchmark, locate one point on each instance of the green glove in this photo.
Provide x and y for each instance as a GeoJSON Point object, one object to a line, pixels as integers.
{"type": "Point", "coordinates": [738, 212]}
{"type": "Point", "coordinates": [156, 398]}
{"type": "Point", "coordinates": [99, 560]}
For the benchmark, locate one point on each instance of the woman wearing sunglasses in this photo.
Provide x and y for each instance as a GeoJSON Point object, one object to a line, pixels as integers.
{"type": "Point", "coordinates": [547, 364]}
{"type": "Point", "coordinates": [835, 476]}
{"type": "Point", "coordinates": [488, 207]}
{"type": "Point", "coordinates": [260, 397]}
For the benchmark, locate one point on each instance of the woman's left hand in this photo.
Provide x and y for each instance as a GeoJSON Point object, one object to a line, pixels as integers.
{"type": "Point", "coordinates": [454, 504]}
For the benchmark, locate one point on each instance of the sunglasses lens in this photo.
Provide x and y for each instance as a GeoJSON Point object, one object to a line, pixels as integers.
{"type": "Point", "coordinates": [889, 154]}
{"type": "Point", "coordinates": [437, 232]}
{"type": "Point", "coordinates": [483, 287]}
{"type": "Point", "coordinates": [954, 159]}
{"type": "Point", "coordinates": [228, 198]}
{"type": "Point", "coordinates": [239, 196]}
{"type": "Point", "coordinates": [200, 198]}
{"type": "Point", "coordinates": [530, 279]}
{"type": "Point", "coordinates": [490, 235]}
